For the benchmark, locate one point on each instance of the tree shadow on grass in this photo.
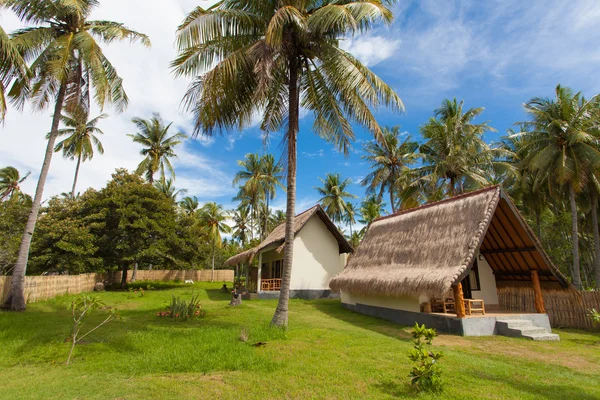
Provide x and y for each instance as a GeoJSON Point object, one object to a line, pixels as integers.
{"type": "Point", "coordinates": [218, 294]}
{"type": "Point", "coordinates": [334, 309]}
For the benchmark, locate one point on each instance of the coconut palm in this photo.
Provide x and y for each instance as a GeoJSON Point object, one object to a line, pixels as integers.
{"type": "Point", "coordinates": [240, 229]}
{"type": "Point", "coordinates": [455, 152]}
{"type": "Point", "coordinates": [272, 57]}
{"type": "Point", "coordinates": [212, 216]}
{"type": "Point", "coordinates": [277, 219]}
{"type": "Point", "coordinates": [66, 62]}
{"type": "Point", "coordinates": [252, 191]}
{"type": "Point", "coordinates": [189, 205]}
{"type": "Point", "coordinates": [350, 215]}
{"type": "Point", "coordinates": [561, 148]}
{"type": "Point", "coordinates": [157, 146]}
{"type": "Point", "coordinates": [388, 160]}
{"type": "Point", "coordinates": [334, 195]}
{"type": "Point", "coordinates": [10, 181]}
{"type": "Point", "coordinates": [81, 138]}
{"type": "Point", "coordinates": [270, 179]}
{"type": "Point", "coordinates": [371, 208]}
{"type": "Point", "coordinates": [168, 188]}
{"type": "Point", "coordinates": [12, 66]}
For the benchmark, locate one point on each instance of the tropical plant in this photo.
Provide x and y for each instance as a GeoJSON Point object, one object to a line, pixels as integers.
{"type": "Point", "coordinates": [189, 205]}
{"type": "Point", "coordinates": [10, 181]}
{"type": "Point", "coordinates": [350, 215]}
{"type": "Point", "coordinates": [81, 307]}
{"type": "Point", "coordinates": [388, 160]}
{"type": "Point", "coordinates": [168, 188]}
{"type": "Point", "coordinates": [66, 62]}
{"type": "Point", "coordinates": [334, 196]}
{"type": "Point", "coordinates": [183, 310]}
{"type": "Point", "coordinates": [157, 146]}
{"type": "Point", "coordinates": [240, 219]}
{"type": "Point", "coordinates": [272, 57]}
{"type": "Point", "coordinates": [455, 153]}
{"type": "Point", "coordinates": [271, 177]}
{"type": "Point", "coordinates": [561, 149]}
{"type": "Point", "coordinates": [81, 138]}
{"type": "Point", "coordinates": [213, 217]}
{"type": "Point", "coordinates": [371, 208]}
{"type": "Point", "coordinates": [12, 66]}
{"type": "Point", "coordinates": [425, 374]}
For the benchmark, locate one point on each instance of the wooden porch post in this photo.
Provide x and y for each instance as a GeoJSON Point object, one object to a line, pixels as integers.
{"type": "Point", "coordinates": [259, 277]}
{"type": "Point", "coordinates": [459, 301]}
{"type": "Point", "coordinates": [537, 292]}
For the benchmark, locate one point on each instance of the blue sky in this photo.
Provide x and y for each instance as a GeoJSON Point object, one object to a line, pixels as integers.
{"type": "Point", "coordinates": [493, 54]}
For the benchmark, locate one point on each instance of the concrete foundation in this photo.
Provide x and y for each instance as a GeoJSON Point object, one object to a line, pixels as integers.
{"type": "Point", "coordinates": [484, 325]}
{"type": "Point", "coordinates": [302, 294]}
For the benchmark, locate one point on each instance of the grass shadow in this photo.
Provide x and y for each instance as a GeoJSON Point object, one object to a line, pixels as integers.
{"type": "Point", "coordinates": [219, 294]}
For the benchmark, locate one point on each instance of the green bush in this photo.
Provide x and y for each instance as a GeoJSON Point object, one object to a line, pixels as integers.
{"type": "Point", "coordinates": [425, 374]}
{"type": "Point", "coordinates": [183, 310]}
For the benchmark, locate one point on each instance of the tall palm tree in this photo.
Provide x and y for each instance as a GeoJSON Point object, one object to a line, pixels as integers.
{"type": "Point", "coordinates": [270, 178]}
{"type": "Point", "coordinates": [81, 138]}
{"type": "Point", "coordinates": [168, 188]}
{"type": "Point", "coordinates": [12, 66]}
{"type": "Point", "coordinates": [277, 219]}
{"type": "Point", "coordinates": [350, 215]}
{"type": "Point", "coordinates": [240, 229]}
{"type": "Point", "coordinates": [371, 208]}
{"type": "Point", "coordinates": [10, 179]}
{"type": "Point", "coordinates": [455, 152]}
{"type": "Point", "coordinates": [157, 146]}
{"type": "Point", "coordinates": [265, 56]}
{"type": "Point", "coordinates": [252, 191]}
{"type": "Point", "coordinates": [388, 161]}
{"type": "Point", "coordinates": [66, 61]}
{"type": "Point", "coordinates": [561, 148]}
{"type": "Point", "coordinates": [189, 204]}
{"type": "Point", "coordinates": [334, 195]}
{"type": "Point", "coordinates": [212, 216]}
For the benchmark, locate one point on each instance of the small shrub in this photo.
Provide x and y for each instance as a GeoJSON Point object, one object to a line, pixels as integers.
{"type": "Point", "coordinates": [82, 306]}
{"type": "Point", "coordinates": [183, 310]}
{"type": "Point", "coordinates": [425, 374]}
{"type": "Point", "coordinates": [594, 315]}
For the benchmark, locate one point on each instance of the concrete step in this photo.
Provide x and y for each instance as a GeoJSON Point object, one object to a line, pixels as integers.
{"type": "Point", "coordinates": [516, 328]}
{"type": "Point", "coordinates": [543, 337]}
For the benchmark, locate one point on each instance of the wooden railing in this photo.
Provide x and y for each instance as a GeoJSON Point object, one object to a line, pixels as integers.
{"type": "Point", "coordinates": [270, 285]}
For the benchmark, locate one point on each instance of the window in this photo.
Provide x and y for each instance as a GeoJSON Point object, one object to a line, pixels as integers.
{"type": "Point", "coordinates": [277, 265]}
{"type": "Point", "coordinates": [474, 277]}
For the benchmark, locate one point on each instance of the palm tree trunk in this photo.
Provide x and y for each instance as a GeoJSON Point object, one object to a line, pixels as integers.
{"type": "Point", "coordinates": [596, 238]}
{"type": "Point", "coordinates": [134, 273]}
{"type": "Point", "coordinates": [575, 239]}
{"type": "Point", "coordinates": [76, 176]}
{"type": "Point", "coordinates": [212, 275]}
{"type": "Point", "coordinates": [16, 298]}
{"type": "Point", "coordinates": [266, 218]}
{"type": "Point", "coordinates": [124, 276]}
{"type": "Point", "coordinates": [451, 187]}
{"type": "Point", "coordinates": [350, 223]}
{"type": "Point", "coordinates": [538, 225]}
{"type": "Point", "coordinates": [392, 199]}
{"type": "Point", "coordinates": [280, 318]}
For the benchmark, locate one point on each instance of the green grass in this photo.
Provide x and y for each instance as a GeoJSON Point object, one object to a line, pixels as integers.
{"type": "Point", "coordinates": [327, 352]}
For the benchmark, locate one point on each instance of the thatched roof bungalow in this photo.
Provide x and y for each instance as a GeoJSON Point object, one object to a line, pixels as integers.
{"type": "Point", "coordinates": [460, 248]}
{"type": "Point", "coordinates": [320, 252]}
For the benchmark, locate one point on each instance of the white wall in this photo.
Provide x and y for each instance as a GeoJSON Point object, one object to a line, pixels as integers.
{"type": "Point", "coordinates": [395, 303]}
{"type": "Point", "coordinates": [487, 281]}
{"type": "Point", "coordinates": [316, 257]}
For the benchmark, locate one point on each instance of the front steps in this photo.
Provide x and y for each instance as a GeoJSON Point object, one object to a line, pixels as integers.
{"type": "Point", "coordinates": [524, 328]}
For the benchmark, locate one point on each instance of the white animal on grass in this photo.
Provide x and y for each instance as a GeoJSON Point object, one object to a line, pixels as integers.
{"type": "Point", "coordinates": [189, 282]}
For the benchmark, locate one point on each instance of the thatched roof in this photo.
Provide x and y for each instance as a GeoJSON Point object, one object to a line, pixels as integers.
{"type": "Point", "coordinates": [426, 250]}
{"type": "Point", "coordinates": [277, 236]}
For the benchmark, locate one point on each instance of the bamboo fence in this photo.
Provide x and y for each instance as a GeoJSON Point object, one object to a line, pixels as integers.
{"type": "Point", "coordinates": [225, 275]}
{"type": "Point", "coordinates": [565, 308]}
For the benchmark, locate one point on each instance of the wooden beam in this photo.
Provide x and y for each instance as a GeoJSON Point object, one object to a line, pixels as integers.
{"type": "Point", "coordinates": [521, 273]}
{"type": "Point", "coordinates": [537, 292]}
{"type": "Point", "coordinates": [512, 250]}
{"type": "Point", "coordinates": [459, 301]}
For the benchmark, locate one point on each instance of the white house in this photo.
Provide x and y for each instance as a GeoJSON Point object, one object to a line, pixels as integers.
{"type": "Point", "coordinates": [320, 253]}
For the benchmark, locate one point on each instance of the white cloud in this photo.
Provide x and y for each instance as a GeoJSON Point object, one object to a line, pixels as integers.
{"type": "Point", "coordinates": [370, 50]}
{"type": "Point", "coordinates": [319, 153]}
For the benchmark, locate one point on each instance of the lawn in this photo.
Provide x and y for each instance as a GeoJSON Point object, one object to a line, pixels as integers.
{"type": "Point", "coordinates": [327, 353]}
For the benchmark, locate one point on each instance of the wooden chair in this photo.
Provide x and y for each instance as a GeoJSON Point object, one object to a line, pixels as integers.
{"type": "Point", "coordinates": [476, 305]}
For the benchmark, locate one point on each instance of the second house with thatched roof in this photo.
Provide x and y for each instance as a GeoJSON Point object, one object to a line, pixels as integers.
{"type": "Point", "coordinates": [444, 264]}
{"type": "Point", "coordinates": [320, 252]}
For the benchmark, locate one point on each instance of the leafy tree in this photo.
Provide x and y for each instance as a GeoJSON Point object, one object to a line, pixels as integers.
{"type": "Point", "coordinates": [455, 152]}
{"type": "Point", "coordinates": [13, 216]}
{"type": "Point", "coordinates": [81, 138]}
{"type": "Point", "coordinates": [334, 195]}
{"type": "Point", "coordinates": [265, 56]}
{"type": "Point", "coordinates": [388, 161]}
{"type": "Point", "coordinates": [66, 61]}
{"type": "Point", "coordinates": [10, 181]}
{"type": "Point", "coordinates": [562, 150]}
{"type": "Point", "coordinates": [212, 216]}
{"type": "Point", "coordinates": [157, 146]}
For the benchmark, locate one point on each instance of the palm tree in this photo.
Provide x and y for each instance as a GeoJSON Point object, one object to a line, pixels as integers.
{"type": "Point", "coordinates": [168, 188]}
{"type": "Point", "coordinates": [189, 205]}
{"type": "Point", "coordinates": [350, 215]}
{"type": "Point", "coordinates": [66, 62]}
{"type": "Point", "coordinates": [265, 56]}
{"type": "Point", "coordinates": [277, 219]}
{"type": "Point", "coordinates": [561, 148]}
{"type": "Point", "coordinates": [252, 191]}
{"type": "Point", "coordinates": [12, 66]}
{"type": "Point", "coordinates": [213, 218]}
{"type": "Point", "coordinates": [81, 138]}
{"type": "Point", "coordinates": [157, 146]}
{"type": "Point", "coordinates": [240, 229]}
{"type": "Point", "coordinates": [388, 161]}
{"type": "Point", "coordinates": [334, 196]}
{"type": "Point", "coordinates": [455, 152]}
{"type": "Point", "coordinates": [371, 208]}
{"type": "Point", "coordinates": [10, 179]}
{"type": "Point", "coordinates": [270, 178]}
